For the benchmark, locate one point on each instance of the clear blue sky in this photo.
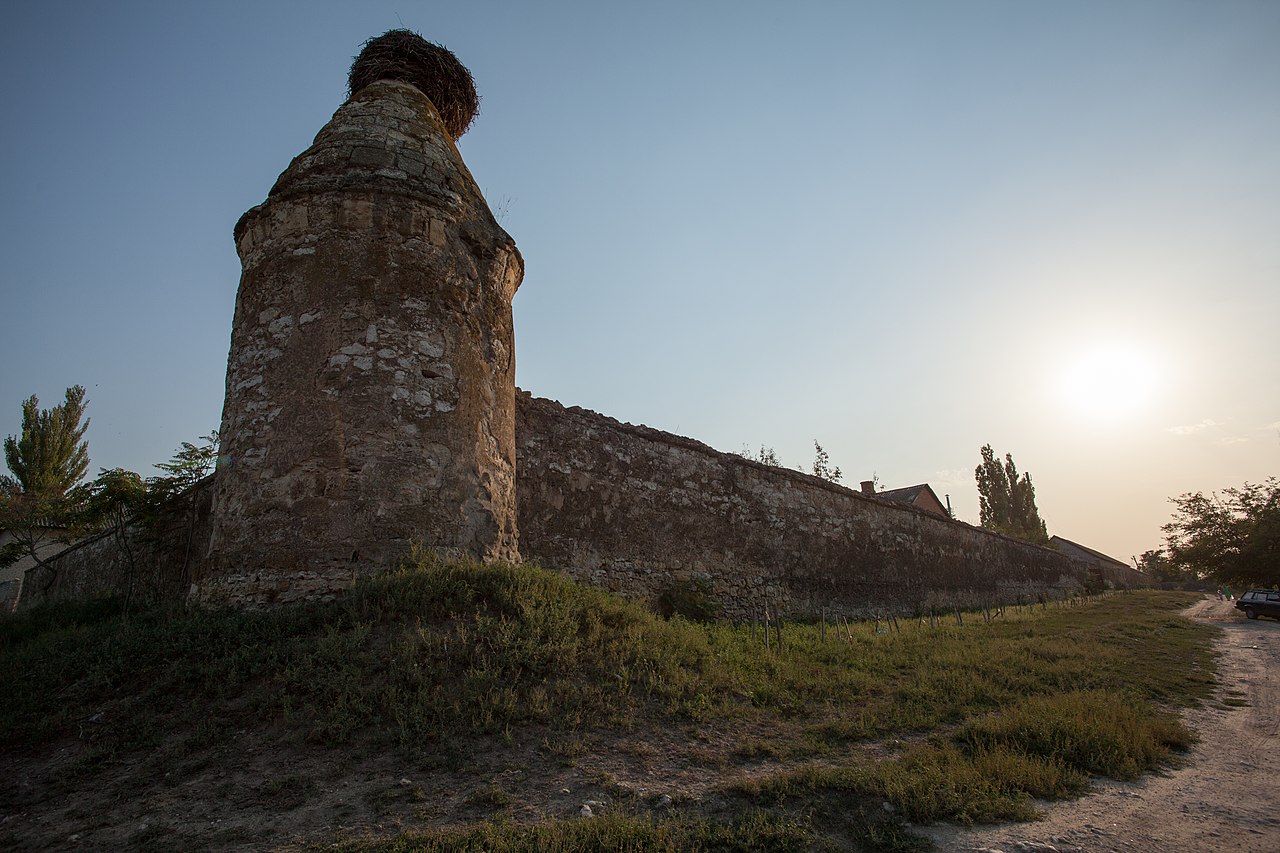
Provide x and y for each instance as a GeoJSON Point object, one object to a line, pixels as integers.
{"type": "Point", "coordinates": [905, 229]}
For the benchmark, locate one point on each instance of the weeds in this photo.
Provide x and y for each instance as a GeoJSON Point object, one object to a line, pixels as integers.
{"type": "Point", "coordinates": [1093, 731]}
{"type": "Point", "coordinates": [439, 656]}
{"type": "Point", "coordinates": [754, 832]}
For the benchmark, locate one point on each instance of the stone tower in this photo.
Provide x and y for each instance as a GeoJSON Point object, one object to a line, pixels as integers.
{"type": "Point", "coordinates": [370, 398]}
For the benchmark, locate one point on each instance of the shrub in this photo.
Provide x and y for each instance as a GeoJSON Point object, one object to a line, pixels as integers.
{"type": "Point", "coordinates": [691, 599]}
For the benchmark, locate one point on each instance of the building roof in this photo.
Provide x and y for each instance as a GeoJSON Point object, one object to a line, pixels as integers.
{"type": "Point", "coordinates": [912, 494]}
{"type": "Point", "coordinates": [906, 494]}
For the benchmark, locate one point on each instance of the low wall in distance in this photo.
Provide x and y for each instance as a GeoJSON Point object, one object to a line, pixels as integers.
{"type": "Point", "coordinates": [638, 511]}
{"type": "Point", "coordinates": [147, 566]}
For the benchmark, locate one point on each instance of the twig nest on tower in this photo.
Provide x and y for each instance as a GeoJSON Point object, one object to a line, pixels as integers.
{"type": "Point", "coordinates": [433, 69]}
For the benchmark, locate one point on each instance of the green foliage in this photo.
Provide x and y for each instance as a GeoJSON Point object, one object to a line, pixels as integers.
{"type": "Point", "coordinates": [1093, 731]}
{"type": "Point", "coordinates": [691, 599]}
{"type": "Point", "coordinates": [1094, 581]}
{"type": "Point", "coordinates": [1007, 503]}
{"type": "Point", "coordinates": [765, 456]}
{"type": "Point", "coordinates": [1160, 569]}
{"type": "Point", "coordinates": [166, 497]}
{"type": "Point", "coordinates": [50, 456]}
{"type": "Point", "coordinates": [440, 649]}
{"type": "Point", "coordinates": [41, 504]}
{"type": "Point", "coordinates": [114, 495]}
{"type": "Point", "coordinates": [993, 767]}
{"type": "Point", "coordinates": [189, 464]}
{"type": "Point", "coordinates": [440, 658]}
{"type": "Point", "coordinates": [932, 782]}
{"type": "Point", "coordinates": [37, 521]}
{"type": "Point", "coordinates": [822, 465]}
{"type": "Point", "coordinates": [419, 656]}
{"type": "Point", "coordinates": [1232, 539]}
{"type": "Point", "coordinates": [755, 831]}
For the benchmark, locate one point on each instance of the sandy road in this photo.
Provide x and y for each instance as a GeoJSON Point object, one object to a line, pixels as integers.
{"type": "Point", "coordinates": [1226, 797]}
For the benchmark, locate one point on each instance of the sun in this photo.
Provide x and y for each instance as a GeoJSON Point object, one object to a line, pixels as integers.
{"type": "Point", "coordinates": [1109, 382]}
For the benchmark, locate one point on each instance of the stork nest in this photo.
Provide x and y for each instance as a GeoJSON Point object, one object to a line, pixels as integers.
{"type": "Point", "coordinates": [433, 69]}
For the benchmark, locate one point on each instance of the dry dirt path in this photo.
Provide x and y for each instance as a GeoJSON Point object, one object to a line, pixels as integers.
{"type": "Point", "coordinates": [1225, 798]}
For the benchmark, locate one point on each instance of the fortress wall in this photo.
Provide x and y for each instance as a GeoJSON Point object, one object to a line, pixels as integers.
{"type": "Point", "coordinates": [636, 511]}
{"type": "Point", "coordinates": [1123, 577]}
{"type": "Point", "coordinates": [146, 566]}
{"type": "Point", "coordinates": [370, 383]}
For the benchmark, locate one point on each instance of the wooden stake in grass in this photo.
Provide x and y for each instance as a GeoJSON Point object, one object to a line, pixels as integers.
{"type": "Point", "coordinates": [822, 626]}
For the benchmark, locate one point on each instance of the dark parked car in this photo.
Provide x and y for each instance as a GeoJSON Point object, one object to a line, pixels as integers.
{"type": "Point", "coordinates": [1260, 602]}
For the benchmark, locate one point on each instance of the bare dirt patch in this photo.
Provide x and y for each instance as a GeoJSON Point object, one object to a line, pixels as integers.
{"type": "Point", "coordinates": [1224, 798]}
{"type": "Point", "coordinates": [264, 792]}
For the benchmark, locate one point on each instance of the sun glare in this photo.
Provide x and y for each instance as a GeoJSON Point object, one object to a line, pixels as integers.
{"type": "Point", "coordinates": [1109, 382]}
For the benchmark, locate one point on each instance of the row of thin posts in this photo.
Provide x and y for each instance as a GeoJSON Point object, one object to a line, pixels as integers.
{"type": "Point", "coordinates": [837, 623]}
{"type": "Point", "coordinates": [772, 626]}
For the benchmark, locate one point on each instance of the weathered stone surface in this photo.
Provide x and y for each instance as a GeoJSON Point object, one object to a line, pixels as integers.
{"type": "Point", "coordinates": [370, 385]}
{"type": "Point", "coordinates": [636, 510]}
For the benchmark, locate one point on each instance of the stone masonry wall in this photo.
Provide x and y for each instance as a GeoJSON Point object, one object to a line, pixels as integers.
{"type": "Point", "coordinates": [370, 385]}
{"type": "Point", "coordinates": [145, 566]}
{"type": "Point", "coordinates": [636, 510]}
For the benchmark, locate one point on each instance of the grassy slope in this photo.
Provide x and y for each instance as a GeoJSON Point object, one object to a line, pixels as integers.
{"type": "Point", "coordinates": [977, 719]}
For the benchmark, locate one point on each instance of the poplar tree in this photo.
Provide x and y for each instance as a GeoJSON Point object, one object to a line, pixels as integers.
{"type": "Point", "coordinates": [1007, 502]}
{"type": "Point", "coordinates": [40, 503]}
{"type": "Point", "coordinates": [50, 456]}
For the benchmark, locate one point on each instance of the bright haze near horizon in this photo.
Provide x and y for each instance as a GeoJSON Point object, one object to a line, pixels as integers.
{"type": "Point", "coordinates": [903, 229]}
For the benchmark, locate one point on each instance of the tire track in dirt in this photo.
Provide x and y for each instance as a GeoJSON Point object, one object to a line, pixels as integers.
{"type": "Point", "coordinates": [1224, 798]}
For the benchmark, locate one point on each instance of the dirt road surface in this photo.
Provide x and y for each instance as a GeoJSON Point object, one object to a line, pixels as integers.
{"type": "Point", "coordinates": [1226, 797]}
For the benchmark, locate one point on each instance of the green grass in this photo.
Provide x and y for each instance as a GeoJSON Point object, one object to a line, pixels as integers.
{"type": "Point", "coordinates": [992, 767]}
{"type": "Point", "coordinates": [441, 656]}
{"type": "Point", "coordinates": [417, 656]}
{"type": "Point", "coordinates": [755, 831]}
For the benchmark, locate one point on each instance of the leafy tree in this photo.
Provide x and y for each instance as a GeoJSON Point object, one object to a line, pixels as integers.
{"type": "Point", "coordinates": [50, 456]}
{"type": "Point", "coordinates": [113, 500]}
{"type": "Point", "coordinates": [1007, 503]}
{"type": "Point", "coordinates": [1233, 539]}
{"type": "Point", "coordinates": [1157, 566]}
{"type": "Point", "coordinates": [190, 464]}
{"type": "Point", "coordinates": [169, 497]}
{"type": "Point", "coordinates": [822, 464]}
{"type": "Point", "coordinates": [41, 503]}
